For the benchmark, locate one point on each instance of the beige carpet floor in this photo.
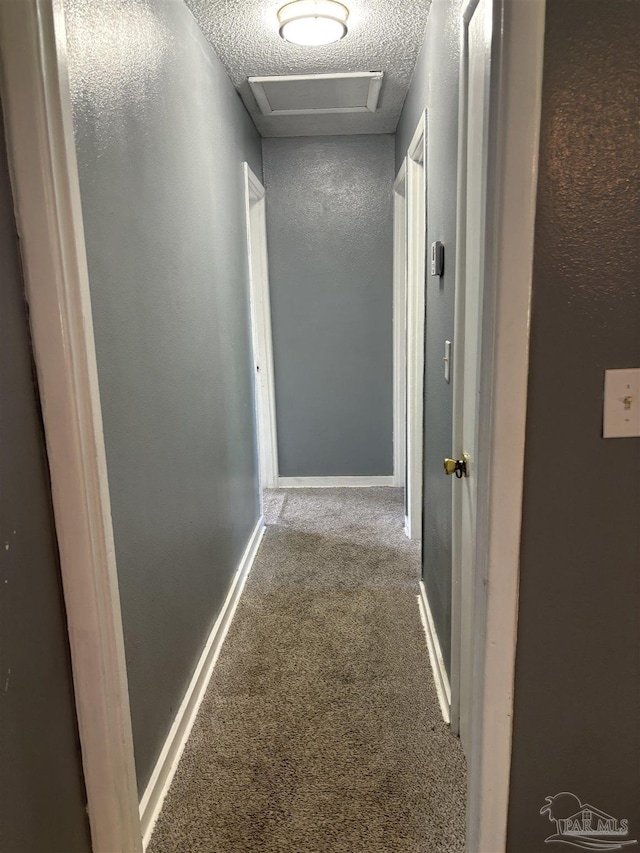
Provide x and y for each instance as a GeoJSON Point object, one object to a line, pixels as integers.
{"type": "Point", "coordinates": [320, 731]}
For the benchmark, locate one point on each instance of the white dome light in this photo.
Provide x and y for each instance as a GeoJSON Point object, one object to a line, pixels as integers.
{"type": "Point", "coordinates": [313, 22]}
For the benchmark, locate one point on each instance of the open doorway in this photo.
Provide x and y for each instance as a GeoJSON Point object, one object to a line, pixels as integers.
{"type": "Point", "coordinates": [262, 344]}
{"type": "Point", "coordinates": [415, 229]}
{"type": "Point", "coordinates": [400, 328]}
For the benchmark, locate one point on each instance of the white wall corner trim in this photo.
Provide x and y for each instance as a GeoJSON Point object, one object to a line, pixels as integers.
{"type": "Point", "coordinates": [334, 482]}
{"type": "Point", "coordinates": [167, 763]}
{"type": "Point", "coordinates": [44, 177]}
{"type": "Point", "coordinates": [440, 676]}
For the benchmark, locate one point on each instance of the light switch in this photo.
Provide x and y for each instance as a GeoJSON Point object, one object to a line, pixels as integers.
{"type": "Point", "coordinates": [621, 403]}
{"type": "Point", "coordinates": [437, 258]}
{"type": "Point", "coordinates": [447, 361]}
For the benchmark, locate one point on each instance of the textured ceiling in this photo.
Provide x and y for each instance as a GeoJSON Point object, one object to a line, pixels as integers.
{"type": "Point", "coordinates": [384, 35]}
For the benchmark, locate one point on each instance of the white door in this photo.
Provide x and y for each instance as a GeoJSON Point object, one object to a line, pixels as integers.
{"type": "Point", "coordinates": [468, 325]}
{"type": "Point", "coordinates": [265, 401]}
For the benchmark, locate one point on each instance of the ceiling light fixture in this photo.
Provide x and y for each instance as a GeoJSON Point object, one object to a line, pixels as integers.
{"type": "Point", "coordinates": [313, 22]}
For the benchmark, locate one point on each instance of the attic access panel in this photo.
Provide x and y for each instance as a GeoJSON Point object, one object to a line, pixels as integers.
{"type": "Point", "coordinates": [317, 94]}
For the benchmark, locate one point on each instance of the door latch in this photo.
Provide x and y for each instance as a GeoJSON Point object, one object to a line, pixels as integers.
{"type": "Point", "coordinates": [459, 467]}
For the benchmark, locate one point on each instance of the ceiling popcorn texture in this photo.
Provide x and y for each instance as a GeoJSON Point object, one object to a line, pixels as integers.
{"type": "Point", "coordinates": [384, 35]}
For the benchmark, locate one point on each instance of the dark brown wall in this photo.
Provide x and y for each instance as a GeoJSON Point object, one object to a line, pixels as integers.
{"type": "Point", "coordinates": [576, 715]}
{"type": "Point", "coordinates": [42, 797]}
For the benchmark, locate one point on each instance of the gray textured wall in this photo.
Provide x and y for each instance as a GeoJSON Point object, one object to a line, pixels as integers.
{"type": "Point", "coordinates": [161, 135]}
{"type": "Point", "coordinates": [435, 84]}
{"type": "Point", "coordinates": [329, 224]}
{"type": "Point", "coordinates": [576, 694]}
{"type": "Point", "coordinates": [42, 796]}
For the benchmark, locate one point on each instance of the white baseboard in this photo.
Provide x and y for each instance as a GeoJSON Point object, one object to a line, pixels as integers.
{"type": "Point", "coordinates": [440, 677]}
{"type": "Point", "coordinates": [333, 482]}
{"type": "Point", "coordinates": [167, 763]}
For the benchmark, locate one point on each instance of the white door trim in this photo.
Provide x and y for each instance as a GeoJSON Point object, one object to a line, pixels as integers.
{"type": "Point", "coordinates": [261, 329]}
{"type": "Point", "coordinates": [514, 122]}
{"type": "Point", "coordinates": [400, 325]}
{"type": "Point", "coordinates": [416, 233]}
{"type": "Point", "coordinates": [42, 157]}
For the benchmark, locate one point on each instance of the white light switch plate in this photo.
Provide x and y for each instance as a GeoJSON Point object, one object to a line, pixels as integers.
{"type": "Point", "coordinates": [621, 403]}
{"type": "Point", "coordinates": [446, 361]}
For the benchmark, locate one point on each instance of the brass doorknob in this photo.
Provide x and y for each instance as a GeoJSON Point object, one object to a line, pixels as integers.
{"type": "Point", "coordinates": [450, 466]}
{"type": "Point", "coordinates": [457, 467]}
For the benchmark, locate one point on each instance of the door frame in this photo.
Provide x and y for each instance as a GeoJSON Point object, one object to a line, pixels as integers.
{"type": "Point", "coordinates": [400, 325]}
{"type": "Point", "coordinates": [261, 334]}
{"type": "Point", "coordinates": [462, 612]}
{"type": "Point", "coordinates": [513, 140]}
{"type": "Point", "coordinates": [44, 178]}
{"type": "Point", "coordinates": [416, 161]}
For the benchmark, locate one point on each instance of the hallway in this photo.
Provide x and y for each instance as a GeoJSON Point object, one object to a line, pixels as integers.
{"type": "Point", "coordinates": [320, 730]}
